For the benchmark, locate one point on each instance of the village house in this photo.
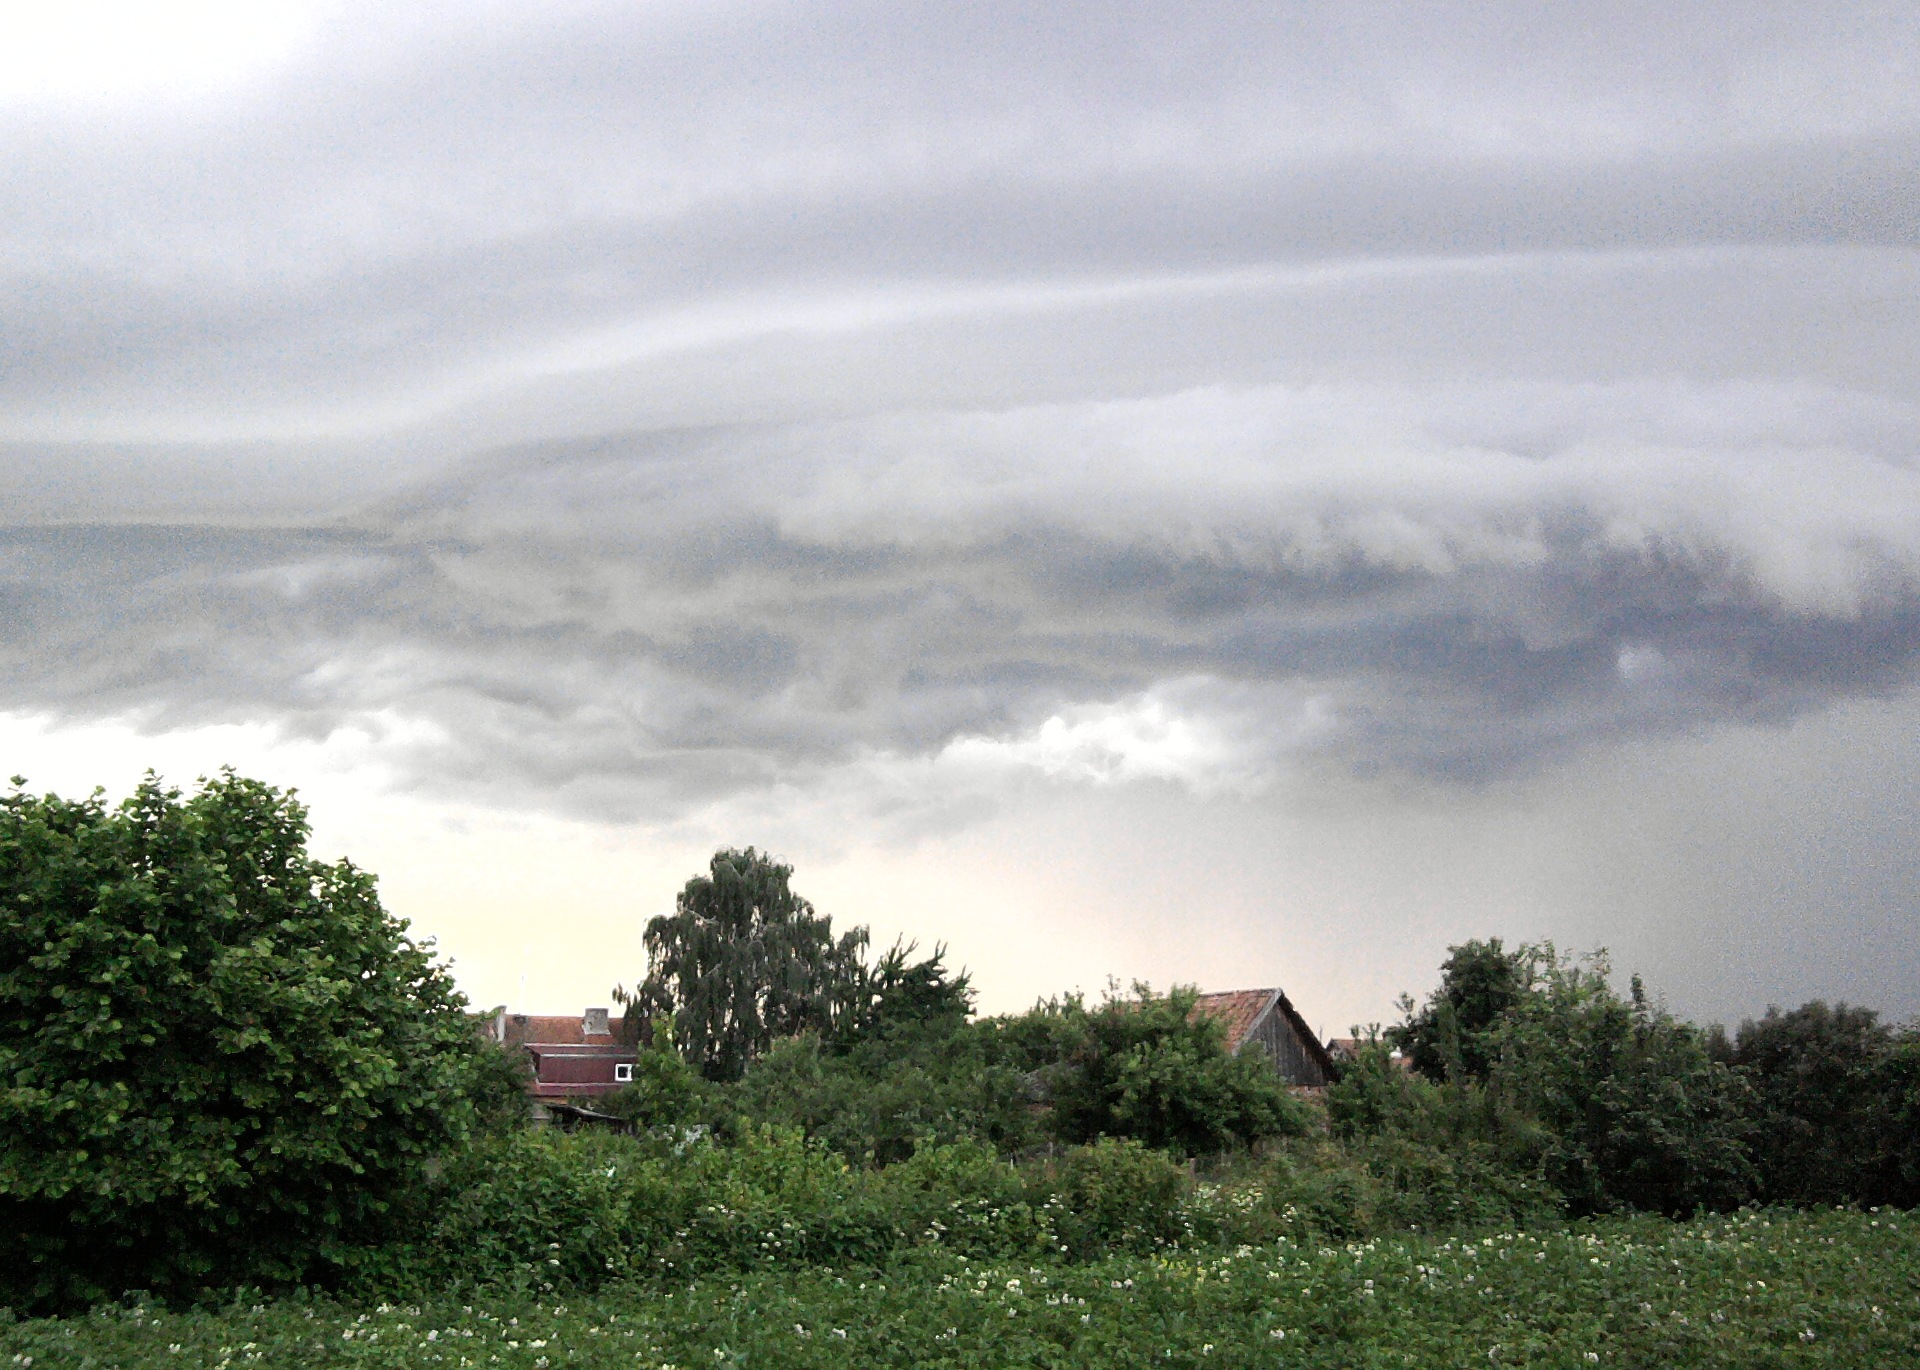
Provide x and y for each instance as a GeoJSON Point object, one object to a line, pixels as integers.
{"type": "Point", "coordinates": [574, 1058]}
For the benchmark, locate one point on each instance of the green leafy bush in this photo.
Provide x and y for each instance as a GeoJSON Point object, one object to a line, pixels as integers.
{"type": "Point", "coordinates": [1827, 1106]}
{"type": "Point", "coordinates": [1116, 1194]}
{"type": "Point", "coordinates": [220, 1059]}
{"type": "Point", "coordinates": [964, 1198]}
{"type": "Point", "coordinates": [1149, 1067]}
{"type": "Point", "coordinates": [881, 1099]}
{"type": "Point", "coordinates": [665, 1091]}
{"type": "Point", "coordinates": [1633, 1111]}
{"type": "Point", "coordinates": [545, 1209]}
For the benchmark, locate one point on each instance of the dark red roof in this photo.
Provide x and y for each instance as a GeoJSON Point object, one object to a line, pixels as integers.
{"type": "Point", "coordinates": [559, 1029]}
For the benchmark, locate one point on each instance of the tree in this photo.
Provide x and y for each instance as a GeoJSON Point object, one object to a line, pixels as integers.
{"type": "Point", "coordinates": [1451, 1035]}
{"type": "Point", "coordinates": [897, 997]}
{"type": "Point", "coordinates": [220, 1059]}
{"type": "Point", "coordinates": [744, 961]}
{"type": "Point", "coordinates": [1826, 1128]}
{"type": "Point", "coordinates": [1634, 1111]}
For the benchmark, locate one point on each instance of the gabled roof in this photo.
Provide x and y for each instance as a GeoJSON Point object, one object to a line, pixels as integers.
{"type": "Point", "coordinates": [1243, 1010]}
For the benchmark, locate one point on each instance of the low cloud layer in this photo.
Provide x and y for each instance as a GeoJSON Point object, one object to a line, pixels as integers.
{"type": "Point", "coordinates": [1199, 588]}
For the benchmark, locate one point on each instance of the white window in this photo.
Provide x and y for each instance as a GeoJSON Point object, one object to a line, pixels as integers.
{"type": "Point", "coordinates": [623, 1073]}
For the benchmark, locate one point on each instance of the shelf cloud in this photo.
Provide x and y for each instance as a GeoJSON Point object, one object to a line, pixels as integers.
{"type": "Point", "coordinates": [621, 411]}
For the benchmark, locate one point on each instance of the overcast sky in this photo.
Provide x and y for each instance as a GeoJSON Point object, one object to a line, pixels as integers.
{"type": "Point", "coordinates": [1241, 494]}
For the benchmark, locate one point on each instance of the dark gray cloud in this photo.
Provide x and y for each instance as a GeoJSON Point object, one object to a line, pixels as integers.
{"type": "Point", "coordinates": [1451, 582]}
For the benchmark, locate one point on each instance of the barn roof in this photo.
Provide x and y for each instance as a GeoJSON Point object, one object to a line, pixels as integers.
{"type": "Point", "coordinates": [1242, 1010]}
{"type": "Point", "coordinates": [1239, 1011]}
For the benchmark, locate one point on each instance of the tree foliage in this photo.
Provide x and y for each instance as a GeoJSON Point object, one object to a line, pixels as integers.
{"type": "Point", "coordinates": [743, 961]}
{"type": "Point", "coordinates": [1634, 1112]}
{"type": "Point", "coordinates": [1148, 1067]}
{"type": "Point", "coordinates": [219, 1058]}
{"type": "Point", "coordinates": [1451, 1035]}
{"type": "Point", "coordinates": [1829, 1105]}
{"type": "Point", "coordinates": [665, 1090]}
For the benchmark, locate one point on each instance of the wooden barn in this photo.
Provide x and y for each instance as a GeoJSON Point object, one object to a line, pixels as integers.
{"type": "Point", "coordinates": [1267, 1019]}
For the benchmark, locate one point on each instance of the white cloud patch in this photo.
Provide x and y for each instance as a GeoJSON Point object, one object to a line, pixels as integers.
{"type": "Point", "coordinates": [1193, 733]}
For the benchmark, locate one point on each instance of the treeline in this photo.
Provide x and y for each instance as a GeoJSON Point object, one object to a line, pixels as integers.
{"type": "Point", "coordinates": [1622, 1105]}
{"type": "Point", "coordinates": [1525, 1066]}
{"type": "Point", "coordinates": [223, 1064]}
{"type": "Point", "coordinates": [759, 1013]}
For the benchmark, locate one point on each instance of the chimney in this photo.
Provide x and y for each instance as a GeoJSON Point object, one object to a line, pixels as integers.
{"type": "Point", "coordinates": [594, 1024]}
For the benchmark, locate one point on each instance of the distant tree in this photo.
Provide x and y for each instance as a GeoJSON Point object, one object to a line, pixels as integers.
{"type": "Point", "coordinates": [1451, 1035]}
{"type": "Point", "coordinates": [1826, 1127]}
{"type": "Point", "coordinates": [1634, 1112]}
{"type": "Point", "coordinates": [897, 996]}
{"type": "Point", "coordinates": [1899, 1087]}
{"type": "Point", "coordinates": [220, 1059]}
{"type": "Point", "coordinates": [744, 961]}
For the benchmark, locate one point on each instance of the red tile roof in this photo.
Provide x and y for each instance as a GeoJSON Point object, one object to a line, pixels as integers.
{"type": "Point", "coordinates": [1239, 1009]}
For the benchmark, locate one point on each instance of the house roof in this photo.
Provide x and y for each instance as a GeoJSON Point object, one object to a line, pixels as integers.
{"type": "Point", "coordinates": [1242, 1011]}
{"type": "Point", "coordinates": [1239, 1010]}
{"type": "Point", "coordinates": [560, 1029]}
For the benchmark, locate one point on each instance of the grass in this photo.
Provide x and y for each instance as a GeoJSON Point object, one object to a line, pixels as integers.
{"type": "Point", "coordinates": [1748, 1290]}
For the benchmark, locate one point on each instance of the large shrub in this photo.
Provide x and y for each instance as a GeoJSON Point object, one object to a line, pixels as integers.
{"type": "Point", "coordinates": [1148, 1067]}
{"type": "Point", "coordinates": [963, 1197]}
{"type": "Point", "coordinates": [882, 1099]}
{"type": "Point", "coordinates": [220, 1059]}
{"type": "Point", "coordinates": [546, 1209]}
{"type": "Point", "coordinates": [1113, 1195]}
{"type": "Point", "coordinates": [1827, 1102]}
{"type": "Point", "coordinates": [1633, 1111]}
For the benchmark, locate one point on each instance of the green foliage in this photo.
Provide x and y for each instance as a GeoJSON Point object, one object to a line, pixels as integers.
{"type": "Point", "coordinates": [898, 999]}
{"type": "Point", "coordinates": [545, 1210]}
{"type": "Point", "coordinates": [962, 1197]}
{"type": "Point", "coordinates": [1148, 1067]}
{"type": "Point", "coordinates": [220, 1059]}
{"type": "Point", "coordinates": [1113, 1195]}
{"type": "Point", "coordinates": [1634, 1112]}
{"type": "Point", "coordinates": [744, 961]}
{"type": "Point", "coordinates": [1452, 1035]}
{"type": "Point", "coordinates": [1826, 1291]}
{"type": "Point", "coordinates": [665, 1090]}
{"type": "Point", "coordinates": [1898, 1082]}
{"type": "Point", "coordinates": [881, 1099]}
{"type": "Point", "coordinates": [1827, 1106]}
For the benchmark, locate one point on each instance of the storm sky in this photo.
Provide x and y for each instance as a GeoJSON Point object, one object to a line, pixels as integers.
{"type": "Point", "coordinates": [1242, 494]}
